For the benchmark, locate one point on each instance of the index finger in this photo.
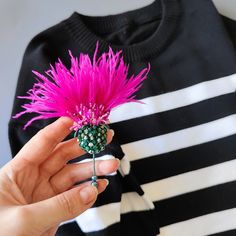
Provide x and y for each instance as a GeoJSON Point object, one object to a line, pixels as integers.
{"type": "Point", "coordinates": [39, 147]}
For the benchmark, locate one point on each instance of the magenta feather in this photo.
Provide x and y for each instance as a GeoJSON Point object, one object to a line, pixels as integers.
{"type": "Point", "coordinates": [86, 93]}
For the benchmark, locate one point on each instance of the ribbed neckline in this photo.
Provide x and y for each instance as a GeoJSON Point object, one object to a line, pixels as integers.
{"type": "Point", "coordinates": [152, 46]}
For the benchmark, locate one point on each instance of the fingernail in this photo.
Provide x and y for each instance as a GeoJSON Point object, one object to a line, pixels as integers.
{"type": "Point", "coordinates": [112, 132]}
{"type": "Point", "coordinates": [118, 160]}
{"type": "Point", "coordinates": [88, 194]}
{"type": "Point", "coordinates": [107, 181]}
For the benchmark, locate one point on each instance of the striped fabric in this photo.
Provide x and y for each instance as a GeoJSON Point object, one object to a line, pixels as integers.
{"type": "Point", "coordinates": [187, 172]}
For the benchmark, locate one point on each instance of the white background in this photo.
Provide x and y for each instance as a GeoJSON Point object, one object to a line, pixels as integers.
{"type": "Point", "coordinates": [21, 20]}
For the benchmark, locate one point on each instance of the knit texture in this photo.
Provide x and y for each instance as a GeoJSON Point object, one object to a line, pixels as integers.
{"type": "Point", "coordinates": [177, 151]}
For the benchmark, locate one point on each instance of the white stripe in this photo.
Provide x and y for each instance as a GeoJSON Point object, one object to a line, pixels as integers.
{"type": "Point", "coordinates": [191, 181]}
{"type": "Point", "coordinates": [168, 101]}
{"type": "Point", "coordinates": [109, 214]}
{"type": "Point", "coordinates": [99, 218]}
{"type": "Point", "coordinates": [204, 225]}
{"type": "Point", "coordinates": [181, 139]}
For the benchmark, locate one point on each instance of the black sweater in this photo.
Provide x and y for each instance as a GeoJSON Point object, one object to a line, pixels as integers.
{"type": "Point", "coordinates": [177, 151]}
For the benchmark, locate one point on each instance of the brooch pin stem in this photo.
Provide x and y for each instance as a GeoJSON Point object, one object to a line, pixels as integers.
{"type": "Point", "coordinates": [92, 139]}
{"type": "Point", "coordinates": [94, 177]}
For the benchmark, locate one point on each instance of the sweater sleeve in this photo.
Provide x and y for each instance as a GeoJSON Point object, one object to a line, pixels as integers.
{"type": "Point", "coordinates": [230, 26]}
{"type": "Point", "coordinates": [36, 57]}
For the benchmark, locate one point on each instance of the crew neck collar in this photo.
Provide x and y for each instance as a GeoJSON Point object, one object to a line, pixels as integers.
{"type": "Point", "coordinates": [152, 46]}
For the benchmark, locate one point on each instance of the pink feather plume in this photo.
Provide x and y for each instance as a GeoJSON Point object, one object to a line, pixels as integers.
{"type": "Point", "coordinates": [86, 93]}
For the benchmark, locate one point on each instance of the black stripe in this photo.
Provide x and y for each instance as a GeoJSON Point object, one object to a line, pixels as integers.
{"type": "Point", "coordinates": [197, 203]}
{"type": "Point", "coordinates": [69, 230]}
{"type": "Point", "coordinates": [184, 160]}
{"type": "Point", "coordinates": [176, 119]}
{"type": "Point", "coordinates": [113, 230]}
{"type": "Point", "coordinates": [172, 77]}
{"type": "Point", "coordinates": [225, 233]}
{"type": "Point", "coordinates": [132, 224]}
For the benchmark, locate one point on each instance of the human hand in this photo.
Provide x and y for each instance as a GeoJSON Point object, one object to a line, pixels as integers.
{"type": "Point", "coordinates": [37, 190]}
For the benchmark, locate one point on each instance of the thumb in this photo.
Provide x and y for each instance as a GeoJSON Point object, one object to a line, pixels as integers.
{"type": "Point", "coordinates": [64, 206]}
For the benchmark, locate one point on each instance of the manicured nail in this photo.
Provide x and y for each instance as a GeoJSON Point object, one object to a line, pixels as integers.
{"type": "Point", "coordinates": [118, 160]}
{"type": "Point", "coordinates": [107, 181]}
{"type": "Point", "coordinates": [112, 132]}
{"type": "Point", "coordinates": [88, 194]}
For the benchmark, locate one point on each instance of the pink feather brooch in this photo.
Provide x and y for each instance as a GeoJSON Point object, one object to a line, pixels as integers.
{"type": "Point", "coordinates": [87, 92]}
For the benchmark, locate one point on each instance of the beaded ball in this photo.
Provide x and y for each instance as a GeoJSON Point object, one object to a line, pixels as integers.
{"type": "Point", "coordinates": [92, 138]}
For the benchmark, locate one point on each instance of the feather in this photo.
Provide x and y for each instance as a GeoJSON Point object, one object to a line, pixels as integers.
{"type": "Point", "coordinates": [87, 92]}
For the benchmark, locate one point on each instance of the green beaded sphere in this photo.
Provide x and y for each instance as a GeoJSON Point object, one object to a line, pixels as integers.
{"type": "Point", "coordinates": [92, 138]}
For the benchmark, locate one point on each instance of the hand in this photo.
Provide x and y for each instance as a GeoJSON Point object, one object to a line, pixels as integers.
{"type": "Point", "coordinates": [37, 189]}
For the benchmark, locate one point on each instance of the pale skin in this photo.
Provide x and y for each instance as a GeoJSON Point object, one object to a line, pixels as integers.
{"type": "Point", "coordinates": [37, 189]}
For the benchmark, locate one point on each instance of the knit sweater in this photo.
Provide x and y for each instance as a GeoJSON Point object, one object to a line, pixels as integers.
{"type": "Point", "coordinates": [177, 175]}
